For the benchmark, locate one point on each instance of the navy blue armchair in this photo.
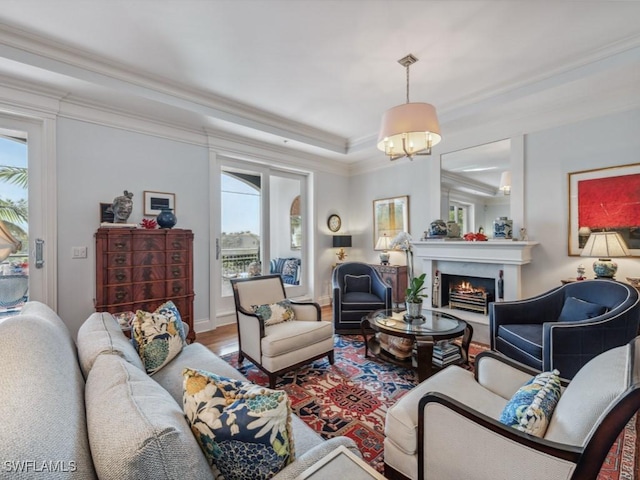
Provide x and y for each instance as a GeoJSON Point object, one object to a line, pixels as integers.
{"type": "Point", "coordinates": [358, 289]}
{"type": "Point", "coordinates": [567, 326]}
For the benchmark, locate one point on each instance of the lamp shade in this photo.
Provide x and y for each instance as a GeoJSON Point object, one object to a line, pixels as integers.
{"type": "Point", "coordinates": [505, 182]}
{"type": "Point", "coordinates": [8, 244]}
{"type": "Point", "coordinates": [383, 243]}
{"type": "Point", "coordinates": [604, 246]}
{"type": "Point", "coordinates": [416, 122]}
{"type": "Point", "coordinates": [341, 241]}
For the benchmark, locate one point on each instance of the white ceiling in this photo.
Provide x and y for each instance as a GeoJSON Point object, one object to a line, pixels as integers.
{"type": "Point", "coordinates": [316, 75]}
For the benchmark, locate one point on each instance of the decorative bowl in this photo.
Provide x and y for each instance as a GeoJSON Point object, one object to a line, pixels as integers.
{"type": "Point", "coordinates": [635, 281]}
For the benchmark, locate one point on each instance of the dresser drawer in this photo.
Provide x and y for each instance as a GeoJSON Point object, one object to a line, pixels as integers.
{"type": "Point", "coordinates": [148, 273]}
{"type": "Point", "coordinates": [118, 259]}
{"type": "Point", "coordinates": [148, 258]}
{"type": "Point", "coordinates": [176, 257]}
{"type": "Point", "coordinates": [119, 243]}
{"type": "Point", "coordinates": [176, 287]}
{"type": "Point", "coordinates": [176, 271]}
{"type": "Point", "coordinates": [177, 242]}
{"type": "Point", "coordinates": [119, 275]}
{"type": "Point", "coordinates": [148, 242]}
{"type": "Point", "coordinates": [148, 290]}
{"type": "Point", "coordinates": [119, 294]}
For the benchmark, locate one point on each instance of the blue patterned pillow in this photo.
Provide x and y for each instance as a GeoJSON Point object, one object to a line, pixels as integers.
{"type": "Point", "coordinates": [158, 337]}
{"type": "Point", "coordinates": [531, 407]}
{"type": "Point", "coordinates": [243, 429]}
{"type": "Point", "coordinates": [275, 312]}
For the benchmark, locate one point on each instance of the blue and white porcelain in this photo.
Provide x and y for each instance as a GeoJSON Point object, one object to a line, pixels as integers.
{"type": "Point", "coordinates": [502, 228]}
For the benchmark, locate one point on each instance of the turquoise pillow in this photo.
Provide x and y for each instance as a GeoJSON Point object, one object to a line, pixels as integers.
{"type": "Point", "coordinates": [243, 429]}
{"type": "Point", "coordinates": [531, 407]}
{"type": "Point", "coordinates": [575, 309]}
{"type": "Point", "coordinates": [274, 313]}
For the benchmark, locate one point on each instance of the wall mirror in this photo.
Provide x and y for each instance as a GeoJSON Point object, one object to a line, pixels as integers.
{"type": "Point", "coordinates": [476, 186]}
{"type": "Point", "coordinates": [295, 220]}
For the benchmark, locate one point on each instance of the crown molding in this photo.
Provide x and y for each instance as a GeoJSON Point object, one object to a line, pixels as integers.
{"type": "Point", "coordinates": [53, 56]}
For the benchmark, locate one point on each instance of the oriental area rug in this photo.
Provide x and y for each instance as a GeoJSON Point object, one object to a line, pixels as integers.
{"type": "Point", "coordinates": [352, 396]}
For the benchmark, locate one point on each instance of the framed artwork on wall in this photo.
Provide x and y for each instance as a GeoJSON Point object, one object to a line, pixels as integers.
{"type": "Point", "coordinates": [390, 217]}
{"type": "Point", "coordinates": [106, 214]}
{"type": "Point", "coordinates": [605, 199]}
{"type": "Point", "coordinates": [154, 202]}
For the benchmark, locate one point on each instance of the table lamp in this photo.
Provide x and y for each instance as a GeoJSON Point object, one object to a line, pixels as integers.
{"type": "Point", "coordinates": [604, 246]}
{"type": "Point", "coordinates": [384, 244]}
{"type": "Point", "coordinates": [341, 242]}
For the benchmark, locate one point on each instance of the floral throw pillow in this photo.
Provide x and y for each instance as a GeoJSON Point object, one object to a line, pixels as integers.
{"type": "Point", "coordinates": [531, 407]}
{"type": "Point", "coordinates": [275, 312]}
{"type": "Point", "coordinates": [158, 337]}
{"type": "Point", "coordinates": [290, 267]}
{"type": "Point", "coordinates": [243, 429]}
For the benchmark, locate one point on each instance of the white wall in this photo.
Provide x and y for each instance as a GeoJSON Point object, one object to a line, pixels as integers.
{"type": "Point", "coordinates": [95, 164]}
{"type": "Point", "coordinates": [549, 156]}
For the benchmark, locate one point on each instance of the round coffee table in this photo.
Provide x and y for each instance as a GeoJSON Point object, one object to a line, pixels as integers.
{"type": "Point", "coordinates": [435, 326]}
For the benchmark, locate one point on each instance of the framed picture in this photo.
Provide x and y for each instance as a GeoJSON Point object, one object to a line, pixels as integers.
{"type": "Point", "coordinates": [106, 214]}
{"type": "Point", "coordinates": [390, 217]}
{"type": "Point", "coordinates": [605, 199]}
{"type": "Point", "coordinates": [154, 202]}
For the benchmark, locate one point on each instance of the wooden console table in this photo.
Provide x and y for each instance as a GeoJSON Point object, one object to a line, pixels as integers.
{"type": "Point", "coordinates": [396, 277]}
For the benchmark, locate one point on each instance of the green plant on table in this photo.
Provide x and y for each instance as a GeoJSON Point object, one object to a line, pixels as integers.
{"type": "Point", "coordinates": [415, 290]}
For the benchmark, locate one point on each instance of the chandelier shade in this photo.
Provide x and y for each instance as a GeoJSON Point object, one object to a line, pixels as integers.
{"type": "Point", "coordinates": [409, 129]}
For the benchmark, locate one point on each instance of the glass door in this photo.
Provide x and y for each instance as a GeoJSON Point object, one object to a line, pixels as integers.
{"type": "Point", "coordinates": [260, 229]}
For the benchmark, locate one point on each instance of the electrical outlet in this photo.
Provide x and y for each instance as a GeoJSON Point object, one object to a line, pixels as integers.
{"type": "Point", "coordinates": [79, 252]}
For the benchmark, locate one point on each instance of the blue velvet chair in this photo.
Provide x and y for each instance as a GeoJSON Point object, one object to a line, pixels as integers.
{"type": "Point", "coordinates": [567, 326]}
{"type": "Point", "coordinates": [358, 289]}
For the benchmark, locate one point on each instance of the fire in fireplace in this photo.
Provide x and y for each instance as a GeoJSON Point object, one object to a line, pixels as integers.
{"type": "Point", "coordinates": [468, 293]}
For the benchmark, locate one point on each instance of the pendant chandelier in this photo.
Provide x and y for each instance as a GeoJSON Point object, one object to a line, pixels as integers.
{"type": "Point", "coordinates": [409, 129]}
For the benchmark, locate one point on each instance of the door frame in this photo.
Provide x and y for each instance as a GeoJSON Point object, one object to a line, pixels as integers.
{"type": "Point", "coordinates": [42, 198]}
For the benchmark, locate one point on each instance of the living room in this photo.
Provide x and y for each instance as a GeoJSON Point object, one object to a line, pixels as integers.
{"type": "Point", "coordinates": [116, 96]}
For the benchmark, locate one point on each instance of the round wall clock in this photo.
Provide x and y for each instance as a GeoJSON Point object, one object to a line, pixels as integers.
{"type": "Point", "coordinates": [334, 222]}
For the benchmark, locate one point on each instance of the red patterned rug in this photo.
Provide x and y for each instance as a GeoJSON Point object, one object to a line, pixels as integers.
{"type": "Point", "coordinates": [351, 398]}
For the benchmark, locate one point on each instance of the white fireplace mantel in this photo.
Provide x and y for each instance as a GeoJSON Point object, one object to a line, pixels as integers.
{"type": "Point", "coordinates": [488, 259]}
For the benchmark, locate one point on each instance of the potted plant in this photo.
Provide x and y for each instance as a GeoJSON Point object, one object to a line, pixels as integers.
{"type": "Point", "coordinates": [414, 296]}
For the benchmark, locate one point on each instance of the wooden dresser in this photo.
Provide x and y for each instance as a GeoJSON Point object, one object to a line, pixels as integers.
{"type": "Point", "coordinates": [396, 277]}
{"type": "Point", "coordinates": [138, 269]}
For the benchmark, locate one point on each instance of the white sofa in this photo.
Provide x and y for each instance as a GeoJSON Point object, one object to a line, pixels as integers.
{"type": "Point", "coordinates": [93, 412]}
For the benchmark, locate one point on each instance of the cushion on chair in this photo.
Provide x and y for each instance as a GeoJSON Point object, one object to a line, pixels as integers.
{"type": "Point", "coordinates": [288, 337]}
{"type": "Point", "coordinates": [361, 301]}
{"type": "Point", "coordinates": [527, 338]}
{"type": "Point", "coordinates": [275, 312]}
{"type": "Point", "coordinates": [531, 407]}
{"type": "Point", "coordinates": [290, 267]}
{"type": "Point", "coordinates": [244, 429]}
{"type": "Point", "coordinates": [357, 283]}
{"type": "Point", "coordinates": [575, 309]}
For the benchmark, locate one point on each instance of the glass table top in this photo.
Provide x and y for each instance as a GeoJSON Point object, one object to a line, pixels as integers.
{"type": "Point", "coordinates": [433, 322]}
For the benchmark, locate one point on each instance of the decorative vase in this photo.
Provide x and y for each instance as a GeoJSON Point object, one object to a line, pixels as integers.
{"type": "Point", "coordinates": [502, 228]}
{"type": "Point", "coordinates": [166, 218]}
{"type": "Point", "coordinates": [453, 229]}
{"type": "Point", "coordinates": [414, 310]}
{"type": "Point", "coordinates": [438, 228]}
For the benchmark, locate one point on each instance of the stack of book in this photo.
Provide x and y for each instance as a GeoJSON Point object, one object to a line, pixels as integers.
{"type": "Point", "coordinates": [445, 353]}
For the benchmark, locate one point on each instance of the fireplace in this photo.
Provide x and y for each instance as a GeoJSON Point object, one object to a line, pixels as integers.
{"type": "Point", "coordinates": [467, 292]}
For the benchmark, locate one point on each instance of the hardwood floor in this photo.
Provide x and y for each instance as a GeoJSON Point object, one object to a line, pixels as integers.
{"type": "Point", "coordinates": [224, 339]}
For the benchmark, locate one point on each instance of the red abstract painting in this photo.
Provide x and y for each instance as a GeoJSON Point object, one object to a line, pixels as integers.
{"type": "Point", "coordinates": [612, 202]}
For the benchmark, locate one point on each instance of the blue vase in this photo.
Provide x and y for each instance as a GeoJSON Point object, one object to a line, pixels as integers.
{"type": "Point", "coordinates": [166, 218]}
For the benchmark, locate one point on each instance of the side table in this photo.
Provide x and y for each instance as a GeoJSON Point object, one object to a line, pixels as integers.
{"type": "Point", "coordinates": [396, 277]}
{"type": "Point", "coordinates": [340, 463]}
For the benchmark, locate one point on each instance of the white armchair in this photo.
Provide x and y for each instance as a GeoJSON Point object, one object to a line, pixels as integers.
{"type": "Point", "coordinates": [282, 346]}
{"type": "Point", "coordinates": [447, 427]}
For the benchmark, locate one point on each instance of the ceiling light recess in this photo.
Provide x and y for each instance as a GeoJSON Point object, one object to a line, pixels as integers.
{"type": "Point", "coordinates": [409, 129]}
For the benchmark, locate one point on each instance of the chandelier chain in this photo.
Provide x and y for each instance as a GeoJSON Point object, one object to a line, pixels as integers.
{"type": "Point", "coordinates": [407, 83]}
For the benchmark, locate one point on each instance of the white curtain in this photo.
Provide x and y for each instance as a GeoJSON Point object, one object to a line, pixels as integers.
{"type": "Point", "coordinates": [8, 244]}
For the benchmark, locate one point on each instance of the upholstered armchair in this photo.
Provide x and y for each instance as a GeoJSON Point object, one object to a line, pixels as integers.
{"type": "Point", "coordinates": [358, 289]}
{"type": "Point", "coordinates": [448, 428]}
{"type": "Point", "coordinates": [567, 326]}
{"type": "Point", "coordinates": [276, 334]}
